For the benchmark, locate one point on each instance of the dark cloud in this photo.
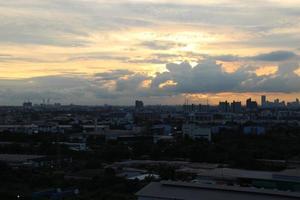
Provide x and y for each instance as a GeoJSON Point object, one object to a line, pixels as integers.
{"type": "Point", "coordinates": [11, 58]}
{"type": "Point", "coordinates": [166, 55]}
{"type": "Point", "coordinates": [158, 58]}
{"type": "Point", "coordinates": [226, 58]}
{"type": "Point", "coordinates": [41, 31]}
{"type": "Point", "coordinates": [132, 83]}
{"type": "Point", "coordinates": [113, 75]}
{"type": "Point", "coordinates": [207, 76]}
{"type": "Point", "coordinates": [270, 40]}
{"type": "Point", "coordinates": [97, 56]}
{"type": "Point", "coordinates": [123, 86]}
{"type": "Point", "coordinates": [59, 88]}
{"type": "Point", "coordinates": [161, 45]}
{"type": "Point", "coordinates": [68, 22]}
{"type": "Point", "coordinates": [148, 60]}
{"type": "Point", "coordinates": [275, 56]}
{"type": "Point", "coordinates": [285, 80]}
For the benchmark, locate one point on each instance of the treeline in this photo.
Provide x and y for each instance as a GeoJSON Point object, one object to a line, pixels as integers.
{"type": "Point", "coordinates": [234, 149]}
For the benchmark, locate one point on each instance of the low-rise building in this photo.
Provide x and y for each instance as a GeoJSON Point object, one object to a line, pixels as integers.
{"type": "Point", "coordinates": [196, 132]}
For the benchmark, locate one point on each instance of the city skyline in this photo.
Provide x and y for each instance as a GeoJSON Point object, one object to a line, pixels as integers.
{"type": "Point", "coordinates": [95, 52]}
{"type": "Point", "coordinates": [264, 101]}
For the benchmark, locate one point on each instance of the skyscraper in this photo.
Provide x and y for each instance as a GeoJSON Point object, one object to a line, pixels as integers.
{"type": "Point", "coordinates": [251, 105]}
{"type": "Point", "coordinates": [139, 104]}
{"type": "Point", "coordinates": [236, 106]}
{"type": "Point", "coordinates": [263, 100]}
{"type": "Point", "coordinates": [224, 106]}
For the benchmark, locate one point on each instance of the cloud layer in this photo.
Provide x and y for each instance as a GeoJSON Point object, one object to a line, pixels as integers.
{"type": "Point", "coordinates": [123, 86]}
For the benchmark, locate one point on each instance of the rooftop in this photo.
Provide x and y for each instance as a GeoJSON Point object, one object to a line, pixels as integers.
{"type": "Point", "coordinates": [18, 157]}
{"type": "Point", "coordinates": [192, 191]}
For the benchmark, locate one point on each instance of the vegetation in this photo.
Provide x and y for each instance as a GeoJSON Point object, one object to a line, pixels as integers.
{"type": "Point", "coordinates": [234, 149]}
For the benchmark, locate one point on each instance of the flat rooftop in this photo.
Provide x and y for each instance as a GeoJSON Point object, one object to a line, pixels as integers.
{"type": "Point", "coordinates": [229, 173]}
{"type": "Point", "coordinates": [191, 191]}
{"type": "Point", "coordinates": [18, 157]}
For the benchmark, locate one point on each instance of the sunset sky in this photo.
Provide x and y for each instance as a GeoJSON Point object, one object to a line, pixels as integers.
{"type": "Point", "coordinates": [160, 51]}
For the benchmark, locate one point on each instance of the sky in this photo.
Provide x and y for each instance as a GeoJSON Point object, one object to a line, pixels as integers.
{"type": "Point", "coordinates": [160, 51]}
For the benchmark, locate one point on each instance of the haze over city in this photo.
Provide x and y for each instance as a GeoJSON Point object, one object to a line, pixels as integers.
{"type": "Point", "coordinates": [160, 51]}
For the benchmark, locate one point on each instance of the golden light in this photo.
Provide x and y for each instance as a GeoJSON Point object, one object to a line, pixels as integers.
{"type": "Point", "coordinates": [229, 67]}
{"type": "Point", "coordinates": [266, 70]}
{"type": "Point", "coordinates": [298, 71]}
{"type": "Point", "coordinates": [146, 83]}
{"type": "Point", "coordinates": [168, 83]}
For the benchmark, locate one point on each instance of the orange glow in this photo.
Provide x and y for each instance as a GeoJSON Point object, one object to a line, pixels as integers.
{"type": "Point", "coordinates": [168, 83]}
{"type": "Point", "coordinates": [146, 84]}
{"type": "Point", "coordinates": [298, 71]}
{"type": "Point", "coordinates": [230, 67]}
{"type": "Point", "coordinates": [266, 70]}
{"type": "Point", "coordinates": [213, 99]}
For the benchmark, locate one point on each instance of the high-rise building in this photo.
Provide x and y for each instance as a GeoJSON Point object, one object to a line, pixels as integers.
{"type": "Point", "coordinates": [139, 104]}
{"type": "Point", "coordinates": [294, 104]}
{"type": "Point", "coordinates": [236, 106]}
{"type": "Point", "coordinates": [263, 100]}
{"type": "Point", "coordinates": [224, 106]}
{"type": "Point", "coordinates": [27, 104]}
{"type": "Point", "coordinates": [251, 105]}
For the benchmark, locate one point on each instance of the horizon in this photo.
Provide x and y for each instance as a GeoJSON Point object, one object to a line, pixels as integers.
{"type": "Point", "coordinates": [186, 102]}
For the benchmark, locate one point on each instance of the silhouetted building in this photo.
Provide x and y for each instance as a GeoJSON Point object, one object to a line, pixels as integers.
{"type": "Point", "coordinates": [263, 100]}
{"type": "Point", "coordinates": [27, 104]}
{"type": "Point", "coordinates": [203, 108]}
{"type": "Point", "coordinates": [268, 104]}
{"type": "Point", "coordinates": [224, 106]}
{"type": "Point", "coordinates": [236, 106]}
{"type": "Point", "coordinates": [294, 104]}
{"type": "Point", "coordinates": [139, 104]}
{"type": "Point", "coordinates": [251, 105]}
{"type": "Point", "coordinates": [190, 108]}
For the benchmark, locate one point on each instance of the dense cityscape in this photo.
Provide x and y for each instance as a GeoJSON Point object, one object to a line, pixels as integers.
{"type": "Point", "coordinates": [112, 152]}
